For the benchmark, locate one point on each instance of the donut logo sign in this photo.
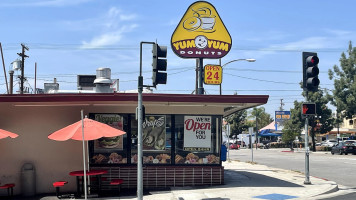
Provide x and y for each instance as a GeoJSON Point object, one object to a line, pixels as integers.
{"type": "Point", "coordinates": [201, 33]}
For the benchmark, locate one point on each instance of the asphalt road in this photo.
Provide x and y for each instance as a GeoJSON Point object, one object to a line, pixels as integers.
{"type": "Point", "coordinates": [337, 168]}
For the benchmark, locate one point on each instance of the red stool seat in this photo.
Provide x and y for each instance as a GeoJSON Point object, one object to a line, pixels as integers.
{"type": "Point", "coordinates": [57, 185]}
{"type": "Point", "coordinates": [116, 182]}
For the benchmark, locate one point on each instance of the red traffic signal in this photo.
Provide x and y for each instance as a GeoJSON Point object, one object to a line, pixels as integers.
{"type": "Point", "coordinates": [312, 60]}
{"type": "Point", "coordinates": [308, 109]}
{"type": "Point", "coordinates": [310, 71]}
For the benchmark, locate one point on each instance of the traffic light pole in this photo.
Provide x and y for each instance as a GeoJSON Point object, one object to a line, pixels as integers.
{"type": "Point", "coordinates": [140, 130]}
{"type": "Point", "coordinates": [306, 145]}
{"type": "Point", "coordinates": [139, 140]}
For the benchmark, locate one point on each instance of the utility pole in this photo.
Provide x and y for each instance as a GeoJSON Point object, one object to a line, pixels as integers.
{"type": "Point", "coordinates": [23, 56]}
{"type": "Point", "coordinates": [11, 72]}
{"type": "Point", "coordinates": [3, 64]}
{"type": "Point", "coordinates": [282, 104]}
{"type": "Point", "coordinates": [256, 130]}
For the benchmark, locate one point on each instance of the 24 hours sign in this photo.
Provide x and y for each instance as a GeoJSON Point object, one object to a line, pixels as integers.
{"type": "Point", "coordinates": [197, 133]}
{"type": "Point", "coordinates": [212, 74]}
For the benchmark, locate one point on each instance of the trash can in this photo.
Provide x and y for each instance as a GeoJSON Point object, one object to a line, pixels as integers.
{"type": "Point", "coordinates": [223, 152]}
{"type": "Point", "coordinates": [28, 179]}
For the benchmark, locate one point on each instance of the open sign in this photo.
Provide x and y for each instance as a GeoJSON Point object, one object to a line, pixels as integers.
{"type": "Point", "coordinates": [212, 74]}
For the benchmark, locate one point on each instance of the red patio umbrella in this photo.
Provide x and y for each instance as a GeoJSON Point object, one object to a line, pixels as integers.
{"type": "Point", "coordinates": [4, 134]}
{"type": "Point", "coordinates": [85, 130]}
{"type": "Point", "coordinates": [92, 130]}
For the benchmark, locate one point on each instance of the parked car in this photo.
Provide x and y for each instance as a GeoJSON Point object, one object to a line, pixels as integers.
{"type": "Point", "coordinates": [243, 143]}
{"type": "Point", "coordinates": [329, 143]}
{"type": "Point", "coordinates": [234, 146]}
{"type": "Point", "coordinates": [350, 142]}
{"type": "Point", "coordinates": [343, 148]}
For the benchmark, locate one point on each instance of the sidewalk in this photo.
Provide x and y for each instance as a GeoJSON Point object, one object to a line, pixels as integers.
{"type": "Point", "coordinates": [247, 181]}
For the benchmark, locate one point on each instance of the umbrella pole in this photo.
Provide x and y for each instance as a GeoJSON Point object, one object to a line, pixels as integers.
{"type": "Point", "coordinates": [84, 163]}
{"type": "Point", "coordinates": [87, 151]}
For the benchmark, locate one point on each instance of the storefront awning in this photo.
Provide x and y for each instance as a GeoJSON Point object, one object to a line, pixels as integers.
{"type": "Point", "coordinates": [229, 104]}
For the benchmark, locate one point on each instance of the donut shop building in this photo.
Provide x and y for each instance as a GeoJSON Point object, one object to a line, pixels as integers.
{"type": "Point", "coordinates": [182, 137]}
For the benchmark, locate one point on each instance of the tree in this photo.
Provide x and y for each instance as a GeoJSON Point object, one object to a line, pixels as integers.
{"type": "Point", "coordinates": [344, 92]}
{"type": "Point", "coordinates": [323, 121]}
{"type": "Point", "coordinates": [263, 118]}
{"type": "Point", "coordinates": [293, 127]}
{"type": "Point", "coordinates": [237, 123]}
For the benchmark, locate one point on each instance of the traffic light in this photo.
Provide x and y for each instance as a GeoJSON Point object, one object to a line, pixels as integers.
{"type": "Point", "coordinates": [159, 64]}
{"type": "Point", "coordinates": [310, 71]}
{"type": "Point", "coordinates": [308, 109]}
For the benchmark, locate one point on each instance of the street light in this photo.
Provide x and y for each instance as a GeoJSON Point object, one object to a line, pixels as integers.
{"type": "Point", "coordinates": [241, 59]}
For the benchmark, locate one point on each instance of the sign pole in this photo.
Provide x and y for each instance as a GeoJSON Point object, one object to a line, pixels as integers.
{"type": "Point", "coordinates": [221, 72]}
{"type": "Point", "coordinates": [250, 130]}
{"type": "Point", "coordinates": [228, 142]}
{"type": "Point", "coordinates": [307, 180]}
{"type": "Point", "coordinates": [200, 77]}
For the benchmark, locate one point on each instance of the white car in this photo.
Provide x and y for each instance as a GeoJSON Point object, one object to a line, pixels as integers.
{"type": "Point", "coordinates": [329, 143]}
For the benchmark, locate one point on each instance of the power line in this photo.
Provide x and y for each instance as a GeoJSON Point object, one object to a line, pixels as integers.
{"type": "Point", "coordinates": [51, 46]}
{"type": "Point", "coordinates": [259, 79]}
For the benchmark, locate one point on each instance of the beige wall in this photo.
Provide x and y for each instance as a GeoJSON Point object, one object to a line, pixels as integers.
{"type": "Point", "coordinates": [53, 160]}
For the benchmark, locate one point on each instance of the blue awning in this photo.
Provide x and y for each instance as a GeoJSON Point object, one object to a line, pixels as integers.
{"type": "Point", "coordinates": [267, 133]}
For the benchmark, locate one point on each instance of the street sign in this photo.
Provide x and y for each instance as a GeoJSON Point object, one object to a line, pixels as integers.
{"type": "Point", "coordinates": [308, 109]}
{"type": "Point", "coordinates": [201, 33]}
{"type": "Point", "coordinates": [281, 116]}
{"type": "Point", "coordinates": [212, 74]}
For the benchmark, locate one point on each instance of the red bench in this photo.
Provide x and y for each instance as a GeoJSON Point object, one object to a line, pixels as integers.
{"type": "Point", "coordinates": [9, 187]}
{"type": "Point", "coordinates": [57, 185]}
{"type": "Point", "coordinates": [117, 182]}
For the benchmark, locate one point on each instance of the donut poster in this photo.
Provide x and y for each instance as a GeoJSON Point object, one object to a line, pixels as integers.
{"type": "Point", "coordinates": [154, 132]}
{"type": "Point", "coordinates": [201, 33]}
{"type": "Point", "coordinates": [197, 133]}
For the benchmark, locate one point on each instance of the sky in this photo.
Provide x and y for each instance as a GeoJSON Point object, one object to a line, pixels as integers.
{"type": "Point", "coordinates": [70, 37]}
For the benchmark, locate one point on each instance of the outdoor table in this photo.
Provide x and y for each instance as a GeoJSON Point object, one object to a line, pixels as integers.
{"type": "Point", "coordinates": [80, 173]}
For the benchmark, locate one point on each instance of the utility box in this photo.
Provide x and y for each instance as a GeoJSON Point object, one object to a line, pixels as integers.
{"type": "Point", "coordinates": [28, 180]}
{"type": "Point", "coordinates": [223, 152]}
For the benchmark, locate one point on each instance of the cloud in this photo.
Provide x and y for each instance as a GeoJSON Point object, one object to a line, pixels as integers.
{"type": "Point", "coordinates": [331, 39]}
{"type": "Point", "coordinates": [107, 39]}
{"type": "Point", "coordinates": [115, 15]}
{"type": "Point", "coordinates": [340, 33]}
{"type": "Point", "coordinates": [306, 43]}
{"type": "Point", "coordinates": [43, 3]}
{"type": "Point", "coordinates": [106, 29]}
{"type": "Point", "coordinates": [265, 36]}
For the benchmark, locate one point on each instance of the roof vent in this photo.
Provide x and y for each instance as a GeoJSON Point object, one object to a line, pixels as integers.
{"type": "Point", "coordinates": [103, 76]}
{"type": "Point", "coordinates": [103, 81]}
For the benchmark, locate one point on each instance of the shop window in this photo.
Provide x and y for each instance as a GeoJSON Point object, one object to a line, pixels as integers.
{"type": "Point", "coordinates": [197, 140]}
{"type": "Point", "coordinates": [156, 138]}
{"type": "Point", "coordinates": [110, 150]}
